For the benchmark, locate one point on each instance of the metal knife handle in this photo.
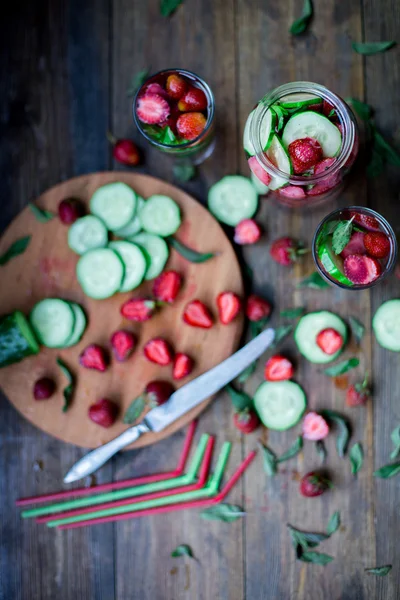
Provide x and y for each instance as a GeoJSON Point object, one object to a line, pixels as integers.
{"type": "Point", "coordinates": [96, 458]}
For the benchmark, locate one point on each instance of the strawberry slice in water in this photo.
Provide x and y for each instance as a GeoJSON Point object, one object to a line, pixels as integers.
{"type": "Point", "coordinates": [152, 109]}
{"type": "Point", "coordinates": [355, 245]}
{"type": "Point", "coordinates": [258, 171]}
{"type": "Point", "coordinates": [361, 270]}
{"type": "Point", "coordinates": [293, 191]}
{"type": "Point", "coordinates": [366, 221]}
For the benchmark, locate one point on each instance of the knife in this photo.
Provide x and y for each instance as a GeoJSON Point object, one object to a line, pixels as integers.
{"type": "Point", "coordinates": [180, 402]}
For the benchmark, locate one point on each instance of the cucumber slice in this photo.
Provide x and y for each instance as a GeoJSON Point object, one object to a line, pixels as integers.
{"type": "Point", "coordinates": [259, 186]}
{"type": "Point", "coordinates": [232, 199]}
{"type": "Point", "coordinates": [279, 157]}
{"type": "Point", "coordinates": [134, 262]}
{"type": "Point", "coordinates": [100, 273]}
{"type": "Point", "coordinates": [17, 340]}
{"type": "Point", "coordinates": [300, 100]}
{"type": "Point", "coordinates": [134, 226]}
{"type": "Point", "coordinates": [267, 131]}
{"type": "Point", "coordinates": [80, 324]}
{"type": "Point", "coordinates": [310, 326]}
{"type": "Point", "coordinates": [114, 204]}
{"type": "Point", "coordinates": [87, 233]}
{"type": "Point", "coordinates": [316, 126]}
{"type": "Point", "coordinates": [156, 251]}
{"type": "Point", "coordinates": [386, 325]}
{"type": "Point", "coordinates": [160, 215]}
{"type": "Point", "coordinates": [53, 321]}
{"type": "Point", "coordinates": [332, 263]}
{"type": "Point", "coordinates": [280, 404]}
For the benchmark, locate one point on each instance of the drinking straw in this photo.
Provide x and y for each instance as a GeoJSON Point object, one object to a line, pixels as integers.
{"type": "Point", "coordinates": [131, 491]}
{"type": "Point", "coordinates": [171, 507]}
{"type": "Point", "coordinates": [115, 485]}
{"type": "Point", "coordinates": [200, 483]}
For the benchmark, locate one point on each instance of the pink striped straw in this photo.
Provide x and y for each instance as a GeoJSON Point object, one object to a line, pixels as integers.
{"type": "Point", "coordinates": [115, 485]}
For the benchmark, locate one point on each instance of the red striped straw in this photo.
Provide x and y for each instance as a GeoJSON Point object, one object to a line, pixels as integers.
{"type": "Point", "coordinates": [205, 467]}
{"type": "Point", "coordinates": [115, 485]}
{"type": "Point", "coordinates": [171, 507]}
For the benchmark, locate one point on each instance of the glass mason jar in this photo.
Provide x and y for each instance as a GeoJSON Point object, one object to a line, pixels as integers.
{"type": "Point", "coordinates": [164, 135]}
{"type": "Point", "coordinates": [368, 256]}
{"type": "Point", "coordinates": [320, 115]}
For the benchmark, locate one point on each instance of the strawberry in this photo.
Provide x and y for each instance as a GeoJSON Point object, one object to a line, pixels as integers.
{"type": "Point", "coordinates": [125, 152]}
{"type": "Point", "coordinates": [154, 88]}
{"type": "Point", "coordinates": [323, 165]}
{"type": "Point", "coordinates": [43, 388]}
{"type": "Point", "coordinates": [314, 427]}
{"type": "Point", "coordinates": [278, 368]}
{"type": "Point", "coordinates": [377, 244]}
{"type": "Point", "coordinates": [329, 340]}
{"type": "Point", "coordinates": [292, 191]}
{"type": "Point", "coordinates": [158, 351]}
{"type": "Point", "coordinates": [328, 182]}
{"type": "Point", "coordinates": [69, 210]}
{"type": "Point", "coordinates": [257, 308]}
{"type": "Point", "coordinates": [190, 125]}
{"type": "Point", "coordinates": [152, 109]}
{"type": "Point", "coordinates": [197, 314]}
{"type": "Point", "coordinates": [176, 86]}
{"type": "Point", "coordinates": [259, 171]}
{"type": "Point", "coordinates": [158, 392]}
{"type": "Point", "coordinates": [366, 221]}
{"type": "Point", "coordinates": [358, 393]}
{"type": "Point", "coordinates": [229, 305]}
{"type": "Point", "coordinates": [305, 153]}
{"type": "Point", "coordinates": [285, 251]}
{"type": "Point", "coordinates": [361, 270]}
{"type": "Point", "coordinates": [123, 343]}
{"type": "Point", "coordinates": [247, 232]}
{"type": "Point", "coordinates": [246, 420]}
{"type": "Point", "coordinates": [167, 286]}
{"type": "Point", "coordinates": [313, 484]}
{"type": "Point", "coordinates": [104, 412]}
{"type": "Point", "coordinates": [355, 245]}
{"type": "Point", "coordinates": [193, 100]}
{"type": "Point", "coordinates": [183, 366]}
{"type": "Point", "coordinates": [94, 357]}
{"type": "Point", "coordinates": [138, 309]}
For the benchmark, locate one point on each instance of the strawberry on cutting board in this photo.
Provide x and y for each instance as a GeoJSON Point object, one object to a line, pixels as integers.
{"type": "Point", "coordinates": [229, 305]}
{"type": "Point", "coordinates": [197, 314]}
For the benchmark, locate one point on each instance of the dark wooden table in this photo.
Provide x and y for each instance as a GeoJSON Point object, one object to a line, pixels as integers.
{"type": "Point", "coordinates": [65, 68]}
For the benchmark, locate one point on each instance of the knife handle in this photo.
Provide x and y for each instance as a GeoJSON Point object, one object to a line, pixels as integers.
{"type": "Point", "coordinates": [96, 458]}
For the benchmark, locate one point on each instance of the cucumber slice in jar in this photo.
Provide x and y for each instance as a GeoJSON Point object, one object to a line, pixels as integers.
{"type": "Point", "coordinates": [17, 339]}
{"type": "Point", "coordinates": [156, 252]}
{"type": "Point", "coordinates": [134, 262]}
{"type": "Point", "coordinates": [280, 404]}
{"type": "Point", "coordinates": [386, 325]}
{"type": "Point", "coordinates": [300, 100]}
{"type": "Point", "coordinates": [266, 132]}
{"type": "Point", "coordinates": [134, 226]}
{"type": "Point", "coordinates": [100, 273]}
{"type": "Point", "coordinates": [160, 215]}
{"type": "Point", "coordinates": [232, 199]}
{"type": "Point", "coordinates": [332, 263]}
{"type": "Point", "coordinates": [316, 126]}
{"type": "Point", "coordinates": [87, 233]}
{"type": "Point", "coordinates": [115, 204]}
{"type": "Point", "coordinates": [310, 326]}
{"type": "Point", "coordinates": [80, 325]}
{"type": "Point", "coordinates": [279, 157]}
{"type": "Point", "coordinates": [53, 322]}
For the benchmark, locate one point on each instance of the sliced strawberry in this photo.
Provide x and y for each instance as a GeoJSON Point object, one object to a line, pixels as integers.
{"type": "Point", "coordinates": [94, 357]}
{"type": "Point", "coordinates": [366, 221]}
{"type": "Point", "coordinates": [293, 191]}
{"type": "Point", "coordinates": [193, 100]}
{"type": "Point", "coordinates": [183, 366]}
{"type": "Point", "coordinates": [278, 368]}
{"type": "Point", "coordinates": [191, 125]}
{"type": "Point", "coordinates": [229, 305]}
{"type": "Point", "coordinates": [176, 86]}
{"type": "Point", "coordinates": [158, 351]}
{"type": "Point", "coordinates": [246, 420]}
{"type": "Point", "coordinates": [104, 412]}
{"type": "Point", "coordinates": [355, 245]}
{"type": "Point", "coordinates": [305, 153]}
{"type": "Point", "coordinates": [138, 309]}
{"type": "Point", "coordinates": [323, 165]}
{"type": "Point", "coordinates": [123, 344]}
{"type": "Point", "coordinates": [377, 244]}
{"type": "Point", "coordinates": [325, 185]}
{"type": "Point", "coordinates": [361, 270]}
{"type": "Point", "coordinates": [257, 308]}
{"type": "Point", "coordinates": [197, 314]}
{"type": "Point", "coordinates": [329, 340]}
{"type": "Point", "coordinates": [167, 285]}
{"type": "Point", "coordinates": [247, 232]}
{"type": "Point", "coordinates": [152, 109]}
{"type": "Point", "coordinates": [259, 171]}
{"type": "Point", "coordinates": [155, 88]}
{"type": "Point", "coordinates": [314, 427]}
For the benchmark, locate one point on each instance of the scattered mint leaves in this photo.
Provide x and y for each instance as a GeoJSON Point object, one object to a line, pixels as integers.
{"type": "Point", "coordinates": [134, 410]}
{"type": "Point", "coordinates": [388, 153]}
{"type": "Point", "coordinates": [357, 329]}
{"type": "Point", "coordinates": [18, 247]}
{"type": "Point", "coordinates": [356, 456]}
{"type": "Point", "coordinates": [321, 450]}
{"type": "Point", "coordinates": [343, 436]}
{"type": "Point", "coordinates": [223, 512]}
{"type": "Point", "coordinates": [379, 571]}
{"type": "Point", "coordinates": [41, 214]}
{"type": "Point", "coordinates": [137, 81]}
{"type": "Point", "coordinates": [162, 135]}
{"type": "Point", "coordinates": [68, 391]}
{"type": "Point", "coordinates": [294, 450]}
{"type": "Point", "coordinates": [334, 523]}
{"type": "Point", "coordinates": [318, 558]}
{"type": "Point", "coordinates": [281, 332]}
{"type": "Point", "coordinates": [306, 539]}
{"type": "Point", "coordinates": [182, 550]}
{"type": "Point", "coordinates": [301, 24]}
{"type": "Point", "coordinates": [188, 253]}
{"type": "Point", "coordinates": [342, 367]}
{"type": "Point", "coordinates": [240, 400]}
{"type": "Point", "coordinates": [369, 48]}
{"type": "Point", "coordinates": [388, 471]}
{"type": "Point", "coordinates": [341, 236]}
{"type": "Point", "coordinates": [314, 281]}
{"type": "Point", "coordinates": [363, 110]}
{"type": "Point", "coordinates": [293, 313]}
{"type": "Point", "coordinates": [168, 7]}
{"type": "Point", "coordinates": [395, 437]}
{"type": "Point", "coordinates": [270, 460]}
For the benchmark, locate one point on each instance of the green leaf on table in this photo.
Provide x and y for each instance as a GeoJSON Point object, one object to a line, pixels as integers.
{"type": "Point", "coordinates": [357, 329]}
{"type": "Point", "coordinates": [168, 7]}
{"type": "Point", "coordinates": [223, 512]}
{"type": "Point", "coordinates": [248, 372]}
{"type": "Point", "coordinates": [134, 410]}
{"type": "Point", "coordinates": [363, 110]}
{"type": "Point", "coordinates": [369, 48]}
{"type": "Point", "coordinates": [240, 400]}
{"type": "Point", "coordinates": [342, 367]}
{"type": "Point", "coordinates": [184, 171]}
{"type": "Point", "coordinates": [137, 81]}
{"type": "Point", "coordinates": [41, 214]}
{"type": "Point", "coordinates": [343, 435]}
{"type": "Point", "coordinates": [294, 449]}
{"type": "Point", "coordinates": [341, 236]}
{"type": "Point", "coordinates": [270, 460]}
{"type": "Point", "coordinates": [387, 471]}
{"type": "Point", "coordinates": [356, 456]}
{"type": "Point", "coordinates": [306, 539]}
{"type": "Point", "coordinates": [388, 153]}
{"type": "Point", "coordinates": [182, 550]}
{"type": "Point", "coordinates": [18, 247]}
{"type": "Point", "coordinates": [318, 558]}
{"type": "Point", "coordinates": [321, 450]}
{"type": "Point", "coordinates": [68, 391]}
{"type": "Point", "coordinates": [395, 437]}
{"type": "Point", "coordinates": [293, 313]}
{"type": "Point", "coordinates": [281, 332]}
{"type": "Point", "coordinates": [379, 571]}
{"type": "Point", "coordinates": [314, 281]}
{"type": "Point", "coordinates": [256, 327]}
{"type": "Point", "coordinates": [334, 523]}
{"type": "Point", "coordinates": [188, 253]}
{"type": "Point", "coordinates": [301, 24]}
{"type": "Point", "coordinates": [376, 164]}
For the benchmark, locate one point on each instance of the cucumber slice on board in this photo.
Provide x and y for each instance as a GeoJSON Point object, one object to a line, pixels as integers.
{"type": "Point", "coordinates": [134, 226]}
{"type": "Point", "coordinates": [100, 273]}
{"type": "Point", "coordinates": [115, 204]}
{"type": "Point", "coordinates": [300, 100]}
{"type": "Point", "coordinates": [267, 131]}
{"type": "Point", "coordinates": [279, 157]}
{"type": "Point", "coordinates": [332, 263]}
{"type": "Point", "coordinates": [53, 321]}
{"type": "Point", "coordinates": [80, 324]}
{"type": "Point", "coordinates": [316, 126]}
{"type": "Point", "coordinates": [156, 251]}
{"type": "Point", "coordinates": [160, 215]}
{"type": "Point", "coordinates": [386, 325]}
{"type": "Point", "coordinates": [134, 262]}
{"type": "Point", "coordinates": [17, 340]}
{"type": "Point", "coordinates": [310, 326]}
{"type": "Point", "coordinates": [259, 186]}
{"type": "Point", "coordinates": [87, 233]}
{"type": "Point", "coordinates": [232, 199]}
{"type": "Point", "coordinates": [280, 404]}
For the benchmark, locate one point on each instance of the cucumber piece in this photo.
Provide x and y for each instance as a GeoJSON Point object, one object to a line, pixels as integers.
{"type": "Point", "coordinates": [259, 186]}
{"type": "Point", "coordinates": [332, 263]}
{"type": "Point", "coordinates": [53, 321]}
{"type": "Point", "coordinates": [316, 126]}
{"type": "Point", "coordinates": [309, 327]}
{"type": "Point", "coordinates": [134, 226]}
{"type": "Point", "coordinates": [386, 325]}
{"type": "Point", "coordinates": [160, 215]}
{"type": "Point", "coordinates": [156, 251]}
{"type": "Point", "coordinates": [87, 233]}
{"type": "Point", "coordinates": [300, 100]}
{"type": "Point", "coordinates": [134, 262]}
{"type": "Point", "coordinates": [279, 157]}
{"type": "Point", "coordinates": [280, 404]}
{"type": "Point", "coordinates": [267, 131]}
{"type": "Point", "coordinates": [115, 204]}
{"type": "Point", "coordinates": [80, 324]}
{"type": "Point", "coordinates": [17, 340]}
{"type": "Point", "coordinates": [100, 273]}
{"type": "Point", "coordinates": [232, 199]}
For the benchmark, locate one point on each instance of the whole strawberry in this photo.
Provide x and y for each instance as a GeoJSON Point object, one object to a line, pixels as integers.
{"type": "Point", "coordinates": [257, 308]}
{"type": "Point", "coordinates": [104, 412]}
{"type": "Point", "coordinates": [314, 484]}
{"type": "Point", "coordinates": [377, 244]}
{"type": "Point", "coordinates": [285, 251]}
{"type": "Point", "coordinates": [124, 151]}
{"type": "Point", "coordinates": [69, 210]}
{"type": "Point", "coordinates": [191, 125]}
{"type": "Point", "coordinates": [247, 232]}
{"type": "Point", "coordinates": [246, 420]}
{"type": "Point", "coordinates": [304, 153]}
{"type": "Point", "coordinates": [358, 393]}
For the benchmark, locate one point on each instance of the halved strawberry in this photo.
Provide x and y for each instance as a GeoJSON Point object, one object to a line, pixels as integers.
{"type": "Point", "coordinates": [323, 165]}
{"type": "Point", "coordinates": [278, 368]}
{"type": "Point", "coordinates": [197, 314]}
{"type": "Point", "coordinates": [293, 191]}
{"type": "Point", "coordinates": [167, 285]}
{"type": "Point", "coordinates": [123, 344]}
{"type": "Point", "coordinates": [158, 351]}
{"type": "Point", "coordinates": [175, 86]}
{"type": "Point", "coordinates": [154, 88]}
{"type": "Point", "coordinates": [314, 427]}
{"type": "Point", "coordinates": [258, 171]}
{"type": "Point", "coordinates": [229, 305]}
{"type": "Point", "coordinates": [183, 366]}
{"type": "Point", "coordinates": [361, 270]}
{"type": "Point", "coordinates": [247, 232]}
{"type": "Point", "coordinates": [138, 309]}
{"type": "Point", "coordinates": [329, 340]}
{"type": "Point", "coordinates": [355, 245]}
{"type": "Point", "coordinates": [364, 220]}
{"type": "Point", "coordinates": [193, 100]}
{"type": "Point", "coordinates": [246, 420]}
{"type": "Point", "coordinates": [190, 125]}
{"type": "Point", "coordinates": [152, 109]}
{"type": "Point", "coordinates": [257, 308]}
{"type": "Point", "coordinates": [305, 153]}
{"type": "Point", "coordinates": [94, 357]}
{"type": "Point", "coordinates": [377, 244]}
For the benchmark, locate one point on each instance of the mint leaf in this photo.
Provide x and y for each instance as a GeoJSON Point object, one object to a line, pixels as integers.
{"type": "Point", "coordinates": [341, 236]}
{"type": "Point", "coordinates": [342, 367]}
{"type": "Point", "coordinates": [343, 436]}
{"type": "Point", "coordinates": [155, 132]}
{"type": "Point", "coordinates": [294, 449]}
{"type": "Point", "coordinates": [188, 253]}
{"type": "Point", "coordinates": [182, 550]}
{"type": "Point", "coordinates": [388, 153]}
{"type": "Point", "coordinates": [168, 137]}
{"type": "Point", "coordinates": [137, 82]}
{"type": "Point", "coordinates": [314, 281]}
{"type": "Point", "coordinates": [369, 48]}
{"type": "Point", "coordinates": [293, 313]}
{"type": "Point", "coordinates": [18, 247]}
{"type": "Point", "coordinates": [134, 410]}
{"type": "Point", "coordinates": [334, 523]}
{"type": "Point", "coordinates": [318, 558]}
{"type": "Point", "coordinates": [380, 571]}
{"type": "Point", "coordinates": [332, 113]}
{"type": "Point", "coordinates": [356, 456]}
{"type": "Point", "coordinates": [244, 375]}
{"type": "Point", "coordinates": [301, 24]}
{"type": "Point", "coordinates": [256, 327]}
{"type": "Point", "coordinates": [281, 332]}
{"type": "Point", "coordinates": [270, 461]}
{"type": "Point", "coordinates": [357, 329]}
{"type": "Point", "coordinates": [41, 214]}
{"type": "Point", "coordinates": [184, 171]}
{"type": "Point", "coordinates": [395, 437]}
{"type": "Point", "coordinates": [363, 110]}
{"type": "Point", "coordinates": [281, 114]}
{"type": "Point", "coordinates": [387, 471]}
{"type": "Point", "coordinates": [240, 400]}
{"type": "Point", "coordinates": [68, 391]}
{"type": "Point", "coordinates": [306, 539]}
{"type": "Point", "coordinates": [321, 450]}
{"type": "Point", "coordinates": [376, 164]}
{"type": "Point", "coordinates": [168, 7]}
{"type": "Point", "coordinates": [223, 512]}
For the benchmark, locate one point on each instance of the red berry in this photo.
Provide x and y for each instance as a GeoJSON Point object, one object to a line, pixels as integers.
{"type": "Point", "coordinates": [190, 125]}
{"type": "Point", "coordinates": [366, 221]}
{"type": "Point", "coordinates": [123, 343]}
{"type": "Point", "coordinates": [278, 368]}
{"type": "Point", "coordinates": [323, 165]}
{"type": "Point", "coordinates": [377, 244]}
{"type": "Point", "coordinates": [167, 286]}
{"type": "Point", "coordinates": [229, 305]}
{"type": "Point", "coordinates": [305, 153]}
{"type": "Point", "coordinates": [355, 245]}
{"type": "Point", "coordinates": [158, 351]}
{"type": "Point", "coordinates": [193, 100]}
{"type": "Point", "coordinates": [138, 309]}
{"type": "Point", "coordinates": [158, 392]}
{"type": "Point", "coordinates": [152, 109]}
{"type": "Point", "coordinates": [69, 210]}
{"type": "Point", "coordinates": [43, 388]}
{"type": "Point", "coordinates": [247, 232]}
{"type": "Point", "coordinates": [183, 366]}
{"type": "Point", "coordinates": [259, 171]}
{"type": "Point", "coordinates": [329, 340]}
{"type": "Point", "coordinates": [314, 427]}
{"type": "Point", "coordinates": [313, 484]}
{"type": "Point", "coordinates": [94, 357]}
{"type": "Point", "coordinates": [154, 88]}
{"type": "Point", "coordinates": [285, 250]}
{"type": "Point", "coordinates": [257, 308]}
{"type": "Point", "coordinates": [292, 191]}
{"type": "Point", "coordinates": [175, 86]}
{"type": "Point", "coordinates": [197, 314]}
{"type": "Point", "coordinates": [246, 421]}
{"type": "Point", "coordinates": [361, 270]}
{"type": "Point", "coordinates": [125, 152]}
{"type": "Point", "coordinates": [104, 412]}
{"type": "Point", "coordinates": [358, 393]}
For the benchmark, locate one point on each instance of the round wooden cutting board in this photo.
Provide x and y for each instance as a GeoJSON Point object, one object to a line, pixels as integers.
{"type": "Point", "coordinates": [47, 269]}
